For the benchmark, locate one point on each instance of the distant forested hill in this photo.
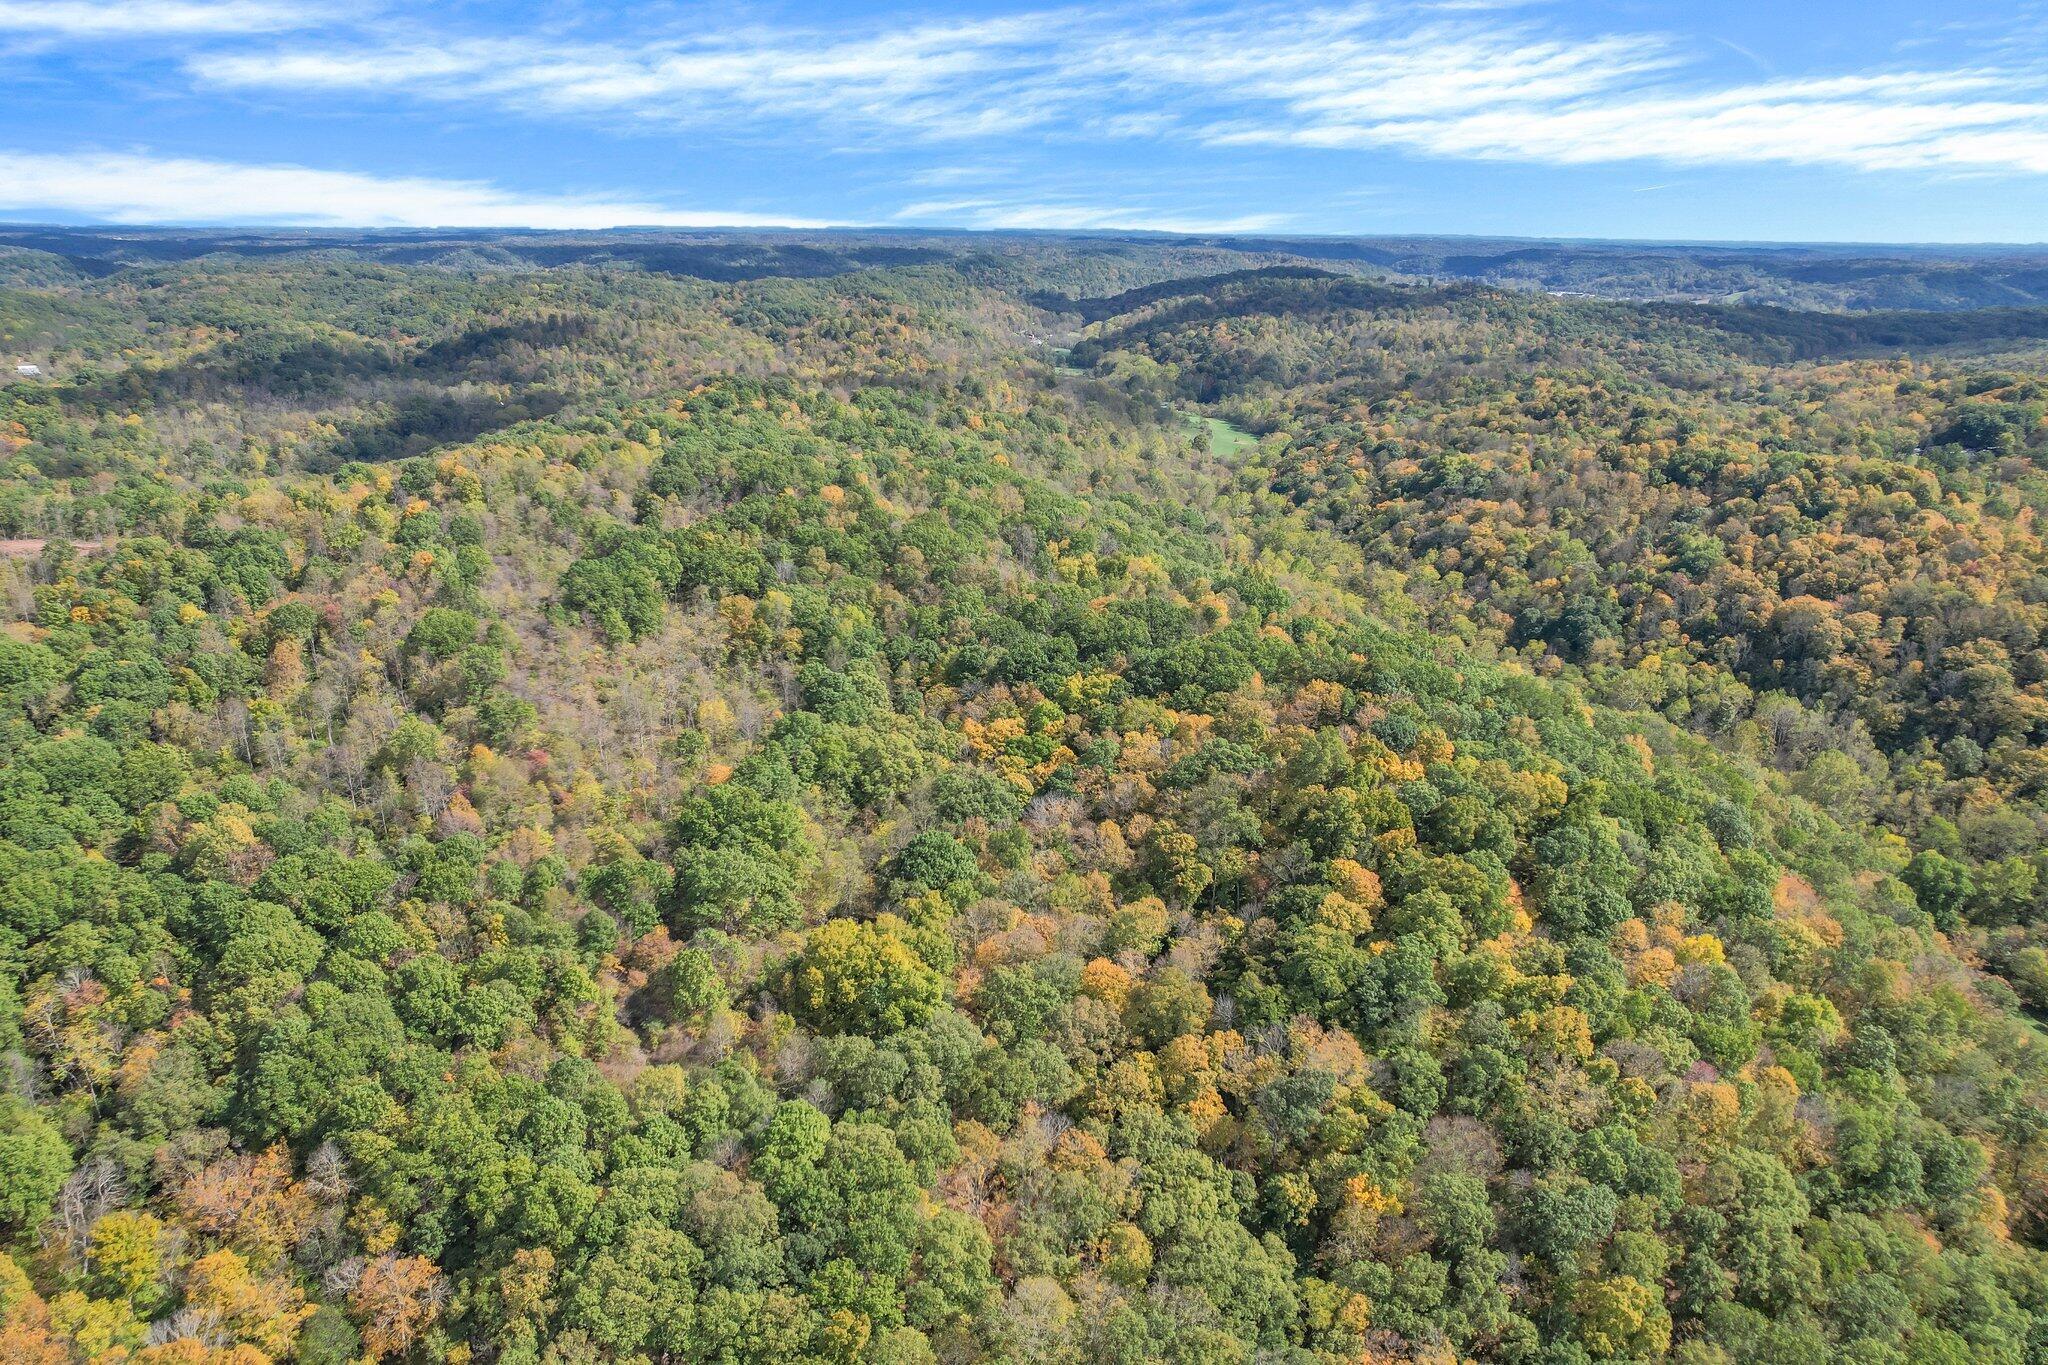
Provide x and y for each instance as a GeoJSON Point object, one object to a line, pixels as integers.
{"type": "Point", "coordinates": [1089, 267]}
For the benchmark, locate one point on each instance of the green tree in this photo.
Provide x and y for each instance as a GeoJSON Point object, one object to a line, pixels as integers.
{"type": "Point", "coordinates": [864, 976]}
{"type": "Point", "coordinates": [741, 861]}
{"type": "Point", "coordinates": [640, 1296]}
{"type": "Point", "coordinates": [34, 1163]}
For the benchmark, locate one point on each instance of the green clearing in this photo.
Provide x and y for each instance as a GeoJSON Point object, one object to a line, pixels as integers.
{"type": "Point", "coordinates": [1225, 441]}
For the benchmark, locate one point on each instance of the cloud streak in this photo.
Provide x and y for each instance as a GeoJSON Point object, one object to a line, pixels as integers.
{"type": "Point", "coordinates": [131, 187]}
{"type": "Point", "coordinates": [1907, 121]}
{"type": "Point", "coordinates": [1029, 216]}
{"type": "Point", "coordinates": [1454, 82]}
{"type": "Point", "coordinates": [154, 18]}
{"type": "Point", "coordinates": [961, 79]}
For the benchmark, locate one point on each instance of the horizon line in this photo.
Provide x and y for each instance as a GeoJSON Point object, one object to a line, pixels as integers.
{"type": "Point", "coordinates": [1096, 233]}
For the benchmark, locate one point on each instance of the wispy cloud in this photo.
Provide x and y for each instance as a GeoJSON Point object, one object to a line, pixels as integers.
{"type": "Point", "coordinates": [134, 187]}
{"type": "Point", "coordinates": [1928, 120]}
{"type": "Point", "coordinates": [1450, 80]}
{"type": "Point", "coordinates": [156, 18]}
{"type": "Point", "coordinates": [1028, 216]}
{"type": "Point", "coordinates": [961, 79]}
{"type": "Point", "coordinates": [1345, 64]}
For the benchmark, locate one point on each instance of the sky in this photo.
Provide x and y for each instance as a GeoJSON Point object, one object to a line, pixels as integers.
{"type": "Point", "coordinates": [1743, 120]}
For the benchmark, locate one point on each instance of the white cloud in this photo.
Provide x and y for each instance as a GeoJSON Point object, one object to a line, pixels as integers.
{"type": "Point", "coordinates": [153, 18]}
{"type": "Point", "coordinates": [1911, 121]}
{"type": "Point", "coordinates": [130, 187]}
{"type": "Point", "coordinates": [373, 69]}
{"type": "Point", "coordinates": [1462, 80]}
{"type": "Point", "coordinates": [1337, 62]}
{"type": "Point", "coordinates": [958, 79]}
{"type": "Point", "coordinates": [1341, 80]}
{"type": "Point", "coordinates": [994, 214]}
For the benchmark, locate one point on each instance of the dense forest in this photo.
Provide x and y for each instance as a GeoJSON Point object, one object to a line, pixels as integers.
{"type": "Point", "coordinates": [779, 801]}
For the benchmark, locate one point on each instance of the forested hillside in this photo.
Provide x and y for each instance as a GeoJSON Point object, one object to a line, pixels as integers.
{"type": "Point", "coordinates": [584, 813]}
{"type": "Point", "coordinates": [1831, 564]}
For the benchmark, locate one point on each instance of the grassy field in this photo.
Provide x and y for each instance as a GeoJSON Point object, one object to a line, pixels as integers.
{"type": "Point", "coordinates": [1225, 440]}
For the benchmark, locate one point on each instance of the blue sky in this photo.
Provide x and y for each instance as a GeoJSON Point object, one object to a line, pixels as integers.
{"type": "Point", "coordinates": [1791, 120]}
